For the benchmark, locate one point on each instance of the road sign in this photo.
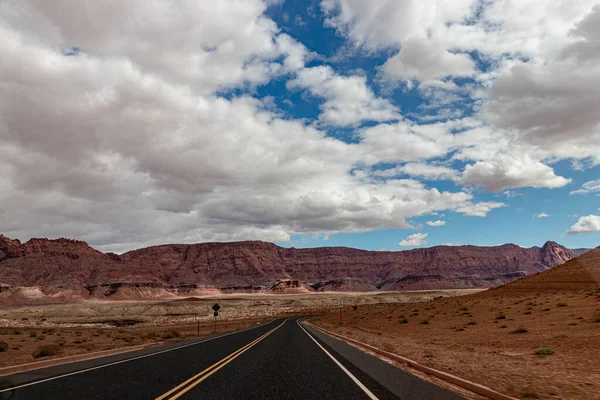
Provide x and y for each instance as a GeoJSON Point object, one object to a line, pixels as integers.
{"type": "Point", "coordinates": [216, 309]}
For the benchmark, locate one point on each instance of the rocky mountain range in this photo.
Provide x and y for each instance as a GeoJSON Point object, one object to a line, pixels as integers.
{"type": "Point", "coordinates": [65, 269]}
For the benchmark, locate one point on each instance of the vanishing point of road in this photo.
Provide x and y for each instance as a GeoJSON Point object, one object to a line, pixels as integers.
{"type": "Point", "coordinates": [283, 359]}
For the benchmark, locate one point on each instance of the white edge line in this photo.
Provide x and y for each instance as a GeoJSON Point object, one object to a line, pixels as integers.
{"type": "Point", "coordinates": [355, 379]}
{"type": "Point", "coordinates": [123, 361]}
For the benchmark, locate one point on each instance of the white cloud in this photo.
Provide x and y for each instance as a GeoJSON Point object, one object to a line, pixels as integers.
{"type": "Point", "coordinates": [542, 215]}
{"type": "Point", "coordinates": [379, 24]}
{"type": "Point", "coordinates": [414, 240]}
{"type": "Point", "coordinates": [587, 224]}
{"type": "Point", "coordinates": [511, 194]}
{"type": "Point", "coordinates": [436, 223]}
{"type": "Point", "coordinates": [422, 59]}
{"type": "Point", "coordinates": [401, 142]}
{"type": "Point", "coordinates": [588, 187]}
{"type": "Point", "coordinates": [349, 101]}
{"type": "Point", "coordinates": [135, 136]}
{"type": "Point", "coordinates": [539, 92]}
{"type": "Point", "coordinates": [479, 209]}
{"type": "Point", "coordinates": [420, 170]}
{"type": "Point", "coordinates": [503, 171]}
{"type": "Point", "coordinates": [127, 148]}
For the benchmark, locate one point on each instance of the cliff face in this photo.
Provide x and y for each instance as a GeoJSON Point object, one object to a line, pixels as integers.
{"type": "Point", "coordinates": [259, 263]}
{"type": "Point", "coordinates": [70, 268]}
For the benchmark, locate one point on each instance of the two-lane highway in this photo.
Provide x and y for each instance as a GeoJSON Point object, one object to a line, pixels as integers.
{"type": "Point", "coordinates": [279, 360]}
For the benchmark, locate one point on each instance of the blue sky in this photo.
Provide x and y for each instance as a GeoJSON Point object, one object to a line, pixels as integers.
{"type": "Point", "coordinates": [376, 125]}
{"type": "Point", "coordinates": [518, 222]}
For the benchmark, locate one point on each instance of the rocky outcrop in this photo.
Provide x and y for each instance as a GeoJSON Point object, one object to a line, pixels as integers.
{"type": "Point", "coordinates": [70, 268]}
{"type": "Point", "coordinates": [344, 285]}
{"type": "Point", "coordinates": [9, 247]}
{"type": "Point", "coordinates": [284, 286]}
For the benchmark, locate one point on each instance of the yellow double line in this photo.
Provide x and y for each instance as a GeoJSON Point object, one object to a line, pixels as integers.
{"type": "Point", "coordinates": [196, 379]}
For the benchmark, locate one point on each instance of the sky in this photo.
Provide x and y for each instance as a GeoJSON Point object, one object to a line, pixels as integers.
{"type": "Point", "coordinates": [376, 124]}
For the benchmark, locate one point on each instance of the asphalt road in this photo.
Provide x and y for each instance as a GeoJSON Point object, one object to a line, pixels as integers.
{"type": "Point", "coordinates": [279, 360]}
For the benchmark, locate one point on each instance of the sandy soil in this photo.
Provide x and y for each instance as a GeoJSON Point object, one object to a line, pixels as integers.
{"type": "Point", "coordinates": [492, 338]}
{"type": "Point", "coordinates": [68, 341]}
{"type": "Point", "coordinates": [100, 325]}
{"type": "Point", "coordinates": [191, 309]}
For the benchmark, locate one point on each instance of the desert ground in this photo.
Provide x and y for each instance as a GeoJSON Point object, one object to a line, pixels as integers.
{"type": "Point", "coordinates": [534, 338]}
{"type": "Point", "coordinates": [88, 326]}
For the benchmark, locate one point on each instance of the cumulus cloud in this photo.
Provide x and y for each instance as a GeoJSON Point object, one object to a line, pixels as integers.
{"type": "Point", "coordinates": [402, 142]}
{"type": "Point", "coordinates": [479, 209]}
{"type": "Point", "coordinates": [126, 149]}
{"type": "Point", "coordinates": [503, 171]}
{"type": "Point", "coordinates": [420, 170]}
{"type": "Point", "coordinates": [540, 87]}
{"type": "Point", "coordinates": [551, 100]}
{"type": "Point", "coordinates": [414, 240]}
{"type": "Point", "coordinates": [127, 124]}
{"type": "Point", "coordinates": [588, 187]}
{"type": "Point", "coordinates": [542, 215]}
{"type": "Point", "coordinates": [436, 223]}
{"type": "Point", "coordinates": [422, 59]}
{"type": "Point", "coordinates": [349, 101]}
{"type": "Point", "coordinates": [587, 224]}
{"type": "Point", "coordinates": [387, 23]}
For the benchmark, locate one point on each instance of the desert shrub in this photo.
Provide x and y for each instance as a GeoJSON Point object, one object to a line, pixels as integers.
{"type": "Point", "coordinates": [424, 322]}
{"type": "Point", "coordinates": [3, 346]}
{"type": "Point", "coordinates": [151, 335]}
{"type": "Point", "coordinates": [544, 351]}
{"type": "Point", "coordinates": [501, 316]}
{"type": "Point", "coordinates": [46, 351]}
{"type": "Point", "coordinates": [561, 305]}
{"type": "Point", "coordinates": [503, 326]}
{"type": "Point", "coordinates": [33, 333]}
{"type": "Point", "coordinates": [402, 320]}
{"type": "Point", "coordinates": [531, 394]}
{"type": "Point", "coordinates": [597, 318]}
{"type": "Point", "coordinates": [171, 335]}
{"type": "Point", "coordinates": [520, 330]}
{"type": "Point", "coordinates": [546, 309]}
{"type": "Point", "coordinates": [17, 332]}
{"type": "Point", "coordinates": [527, 312]}
{"type": "Point", "coordinates": [471, 323]}
{"type": "Point", "coordinates": [388, 347]}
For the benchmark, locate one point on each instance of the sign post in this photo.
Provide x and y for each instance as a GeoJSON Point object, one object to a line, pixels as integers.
{"type": "Point", "coordinates": [216, 309]}
{"type": "Point", "coordinates": [341, 305]}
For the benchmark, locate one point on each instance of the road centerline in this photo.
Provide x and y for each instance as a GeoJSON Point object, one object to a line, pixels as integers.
{"type": "Point", "coordinates": [201, 376]}
{"type": "Point", "coordinates": [81, 371]}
